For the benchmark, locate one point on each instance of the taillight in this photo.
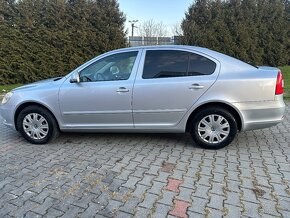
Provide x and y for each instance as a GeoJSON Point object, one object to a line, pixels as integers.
{"type": "Point", "coordinates": [279, 84]}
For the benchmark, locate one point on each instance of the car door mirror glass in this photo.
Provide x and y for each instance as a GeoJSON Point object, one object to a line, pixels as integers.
{"type": "Point", "coordinates": [75, 78]}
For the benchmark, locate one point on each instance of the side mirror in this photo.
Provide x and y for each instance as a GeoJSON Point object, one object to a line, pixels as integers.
{"type": "Point", "coordinates": [75, 78]}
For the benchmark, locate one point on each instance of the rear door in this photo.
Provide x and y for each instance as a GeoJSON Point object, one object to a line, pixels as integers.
{"type": "Point", "coordinates": [168, 83]}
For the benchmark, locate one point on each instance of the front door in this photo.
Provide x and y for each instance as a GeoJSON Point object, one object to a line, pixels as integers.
{"type": "Point", "coordinates": [103, 98]}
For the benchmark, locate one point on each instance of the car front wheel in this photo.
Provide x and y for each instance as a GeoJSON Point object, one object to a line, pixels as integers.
{"type": "Point", "coordinates": [37, 125]}
{"type": "Point", "coordinates": [213, 128]}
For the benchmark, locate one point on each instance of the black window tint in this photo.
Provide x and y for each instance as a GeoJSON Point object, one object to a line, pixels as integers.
{"type": "Point", "coordinates": [162, 64]}
{"type": "Point", "coordinates": [199, 65]}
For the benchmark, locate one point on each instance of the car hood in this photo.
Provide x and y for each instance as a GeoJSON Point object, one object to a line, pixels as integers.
{"type": "Point", "coordinates": [38, 84]}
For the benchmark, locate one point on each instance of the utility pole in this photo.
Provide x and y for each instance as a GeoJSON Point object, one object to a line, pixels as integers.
{"type": "Point", "coordinates": [133, 22]}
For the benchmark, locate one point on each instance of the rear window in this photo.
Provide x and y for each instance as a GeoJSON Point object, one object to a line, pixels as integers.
{"type": "Point", "coordinates": [172, 63]}
{"type": "Point", "coordinates": [199, 65]}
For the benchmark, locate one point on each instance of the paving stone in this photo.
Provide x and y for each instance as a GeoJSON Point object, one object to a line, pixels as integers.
{"type": "Point", "coordinates": [180, 209]}
{"type": "Point", "coordinates": [251, 209]}
{"type": "Point", "coordinates": [140, 191]}
{"type": "Point", "coordinates": [198, 205]}
{"type": "Point", "coordinates": [201, 191]}
{"type": "Point", "coordinates": [213, 213]}
{"type": "Point", "coordinates": [21, 211]}
{"type": "Point", "coordinates": [131, 204]}
{"type": "Point", "coordinates": [149, 200]}
{"type": "Point", "coordinates": [124, 174]}
{"type": "Point", "coordinates": [95, 175]}
{"type": "Point", "coordinates": [153, 170]}
{"type": "Point", "coordinates": [249, 195]}
{"type": "Point", "coordinates": [121, 214]}
{"type": "Point", "coordinates": [147, 180]}
{"type": "Point", "coordinates": [194, 214]}
{"type": "Point", "coordinates": [42, 209]}
{"type": "Point", "coordinates": [8, 208]}
{"type": "Point", "coordinates": [111, 209]}
{"type": "Point", "coordinates": [185, 194]}
{"type": "Point", "coordinates": [173, 185]}
{"type": "Point", "coordinates": [73, 211]}
{"type": "Point", "coordinates": [217, 188]}
{"type": "Point", "coordinates": [233, 198]}
{"type": "Point", "coordinates": [162, 177]}
{"type": "Point", "coordinates": [167, 197]}
{"type": "Point", "coordinates": [92, 210]}
{"type": "Point", "coordinates": [139, 172]}
{"type": "Point", "coordinates": [157, 187]}
{"type": "Point", "coordinates": [32, 214]}
{"type": "Point", "coordinates": [284, 213]}
{"type": "Point", "coordinates": [161, 210]}
{"type": "Point", "coordinates": [232, 211]}
{"type": "Point", "coordinates": [142, 212]}
{"type": "Point", "coordinates": [51, 212]}
{"type": "Point", "coordinates": [216, 202]}
{"type": "Point", "coordinates": [269, 207]}
{"type": "Point", "coordinates": [131, 183]}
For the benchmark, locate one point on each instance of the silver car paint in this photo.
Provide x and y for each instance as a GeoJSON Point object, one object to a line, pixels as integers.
{"type": "Point", "coordinates": [152, 105]}
{"type": "Point", "coordinates": [161, 103]}
{"type": "Point", "coordinates": [98, 104]}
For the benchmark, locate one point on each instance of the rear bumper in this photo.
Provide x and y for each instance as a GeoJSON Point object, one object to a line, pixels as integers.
{"type": "Point", "coordinates": [6, 112]}
{"type": "Point", "coordinates": [262, 114]}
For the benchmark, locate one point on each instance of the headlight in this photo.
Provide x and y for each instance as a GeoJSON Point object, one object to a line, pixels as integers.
{"type": "Point", "coordinates": [7, 97]}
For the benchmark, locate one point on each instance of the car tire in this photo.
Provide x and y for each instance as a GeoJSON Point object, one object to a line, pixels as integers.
{"type": "Point", "coordinates": [37, 125]}
{"type": "Point", "coordinates": [213, 128]}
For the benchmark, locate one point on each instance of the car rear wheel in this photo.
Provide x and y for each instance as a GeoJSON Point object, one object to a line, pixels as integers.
{"type": "Point", "coordinates": [37, 125]}
{"type": "Point", "coordinates": [213, 128]}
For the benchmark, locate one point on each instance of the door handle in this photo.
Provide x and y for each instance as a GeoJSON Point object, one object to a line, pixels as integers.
{"type": "Point", "coordinates": [196, 86]}
{"type": "Point", "coordinates": [122, 90]}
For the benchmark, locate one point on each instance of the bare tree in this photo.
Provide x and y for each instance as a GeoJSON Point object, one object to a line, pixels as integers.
{"type": "Point", "coordinates": [152, 29]}
{"type": "Point", "coordinates": [176, 29]}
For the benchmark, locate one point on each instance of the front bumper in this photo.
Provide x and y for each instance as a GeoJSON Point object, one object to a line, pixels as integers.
{"type": "Point", "coordinates": [6, 112]}
{"type": "Point", "coordinates": [262, 114]}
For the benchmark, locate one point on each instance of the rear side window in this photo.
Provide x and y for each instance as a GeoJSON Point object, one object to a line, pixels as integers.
{"type": "Point", "coordinates": [163, 63]}
{"type": "Point", "coordinates": [171, 63]}
{"type": "Point", "coordinates": [199, 65]}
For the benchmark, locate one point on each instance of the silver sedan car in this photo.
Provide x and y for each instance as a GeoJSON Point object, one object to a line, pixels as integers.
{"type": "Point", "coordinates": [151, 89]}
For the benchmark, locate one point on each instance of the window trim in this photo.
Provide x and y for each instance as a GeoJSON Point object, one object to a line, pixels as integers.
{"type": "Point", "coordinates": [189, 51]}
{"type": "Point", "coordinates": [101, 57]}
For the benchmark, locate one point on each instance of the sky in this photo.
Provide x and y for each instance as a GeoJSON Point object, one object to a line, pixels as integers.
{"type": "Point", "coordinates": [169, 12]}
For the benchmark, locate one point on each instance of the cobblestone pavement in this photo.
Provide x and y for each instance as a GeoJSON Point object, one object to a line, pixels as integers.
{"type": "Point", "coordinates": [146, 175]}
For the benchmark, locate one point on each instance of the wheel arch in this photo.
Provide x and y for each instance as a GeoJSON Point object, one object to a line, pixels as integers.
{"type": "Point", "coordinates": [230, 108]}
{"type": "Point", "coordinates": [31, 103]}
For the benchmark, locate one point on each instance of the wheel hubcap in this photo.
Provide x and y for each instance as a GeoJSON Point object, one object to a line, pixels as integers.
{"type": "Point", "coordinates": [213, 129]}
{"type": "Point", "coordinates": [35, 126]}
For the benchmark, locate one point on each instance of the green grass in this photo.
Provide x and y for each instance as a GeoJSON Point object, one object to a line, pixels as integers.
{"type": "Point", "coordinates": [286, 73]}
{"type": "Point", "coordinates": [8, 88]}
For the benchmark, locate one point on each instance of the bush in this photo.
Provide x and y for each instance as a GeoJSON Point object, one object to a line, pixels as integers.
{"type": "Point", "coordinates": [49, 38]}
{"type": "Point", "coordinates": [252, 30]}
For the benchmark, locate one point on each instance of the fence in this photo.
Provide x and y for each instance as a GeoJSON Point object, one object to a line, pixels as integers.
{"type": "Point", "coordinates": [139, 40]}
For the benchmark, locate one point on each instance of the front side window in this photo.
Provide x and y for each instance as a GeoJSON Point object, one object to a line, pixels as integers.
{"type": "Point", "coordinates": [172, 63]}
{"type": "Point", "coordinates": [113, 67]}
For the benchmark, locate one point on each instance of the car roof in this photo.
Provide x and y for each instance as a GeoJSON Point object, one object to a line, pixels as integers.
{"type": "Point", "coordinates": [223, 58]}
{"type": "Point", "coordinates": [166, 46]}
{"type": "Point", "coordinates": [203, 50]}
